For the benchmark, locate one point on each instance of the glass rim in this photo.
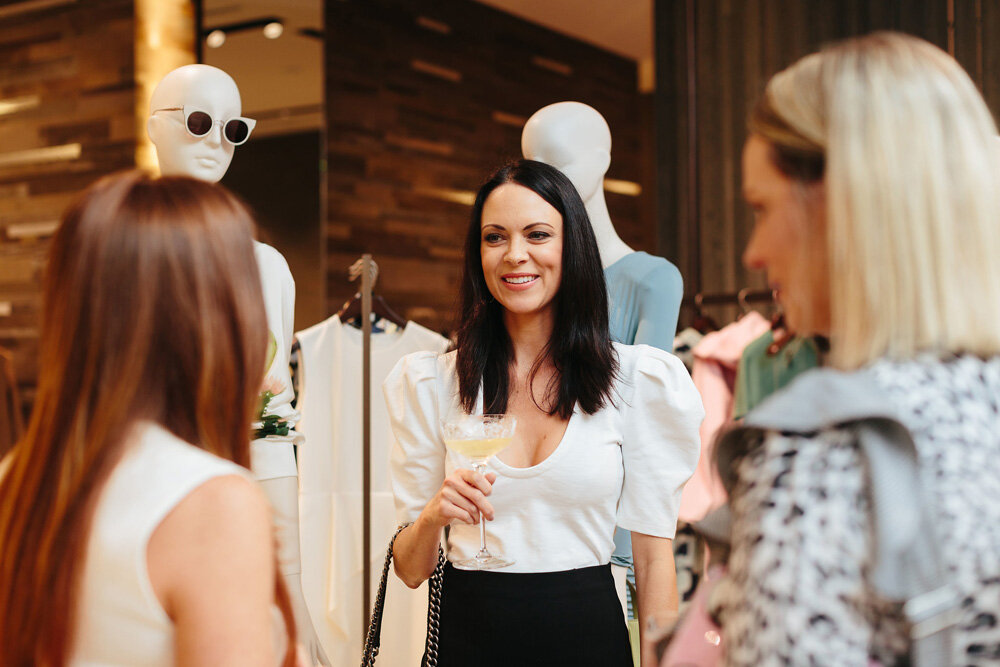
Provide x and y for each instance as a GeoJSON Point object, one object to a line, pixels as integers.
{"type": "Point", "coordinates": [487, 418]}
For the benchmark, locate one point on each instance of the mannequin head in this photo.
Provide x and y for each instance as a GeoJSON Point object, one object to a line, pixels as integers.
{"type": "Point", "coordinates": [575, 139]}
{"type": "Point", "coordinates": [206, 89]}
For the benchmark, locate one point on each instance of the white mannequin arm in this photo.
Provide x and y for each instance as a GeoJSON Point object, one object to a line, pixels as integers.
{"type": "Point", "coordinates": [283, 492]}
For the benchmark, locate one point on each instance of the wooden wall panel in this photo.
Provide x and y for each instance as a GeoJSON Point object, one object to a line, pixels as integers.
{"type": "Point", "coordinates": [977, 46]}
{"type": "Point", "coordinates": [424, 100]}
{"type": "Point", "coordinates": [714, 58]}
{"type": "Point", "coordinates": [66, 80]}
{"type": "Point", "coordinates": [986, 27]}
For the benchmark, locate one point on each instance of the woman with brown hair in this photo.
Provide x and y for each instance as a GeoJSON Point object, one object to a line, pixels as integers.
{"type": "Point", "coordinates": [131, 530]}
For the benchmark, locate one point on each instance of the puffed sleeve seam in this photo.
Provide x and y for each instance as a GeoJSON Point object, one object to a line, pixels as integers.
{"type": "Point", "coordinates": [660, 443]}
{"type": "Point", "coordinates": [407, 384]}
{"type": "Point", "coordinates": [412, 369]}
{"type": "Point", "coordinates": [417, 459]}
{"type": "Point", "coordinates": [652, 365]}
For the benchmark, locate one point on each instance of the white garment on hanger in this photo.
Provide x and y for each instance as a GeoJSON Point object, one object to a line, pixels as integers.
{"type": "Point", "coordinates": [330, 491]}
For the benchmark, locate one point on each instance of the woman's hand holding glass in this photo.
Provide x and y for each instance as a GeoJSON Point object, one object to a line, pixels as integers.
{"type": "Point", "coordinates": [461, 497]}
{"type": "Point", "coordinates": [478, 437]}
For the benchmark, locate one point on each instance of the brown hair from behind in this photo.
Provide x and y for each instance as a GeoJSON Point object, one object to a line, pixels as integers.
{"type": "Point", "coordinates": [152, 311]}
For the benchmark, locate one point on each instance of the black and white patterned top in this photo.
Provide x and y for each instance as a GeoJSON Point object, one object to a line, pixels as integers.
{"type": "Point", "coordinates": [797, 590]}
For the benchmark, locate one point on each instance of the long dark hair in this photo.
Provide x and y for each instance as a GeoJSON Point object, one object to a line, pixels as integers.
{"type": "Point", "coordinates": [152, 310]}
{"type": "Point", "coordinates": [580, 348]}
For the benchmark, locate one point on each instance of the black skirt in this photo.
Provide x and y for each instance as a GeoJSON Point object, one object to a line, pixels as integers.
{"type": "Point", "coordinates": [500, 619]}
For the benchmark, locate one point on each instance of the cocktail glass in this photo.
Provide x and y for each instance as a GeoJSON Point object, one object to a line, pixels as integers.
{"type": "Point", "coordinates": [478, 437]}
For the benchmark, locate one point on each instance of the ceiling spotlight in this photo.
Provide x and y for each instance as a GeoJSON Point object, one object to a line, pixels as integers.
{"type": "Point", "coordinates": [215, 39]}
{"type": "Point", "coordinates": [215, 36]}
{"type": "Point", "coordinates": [273, 30]}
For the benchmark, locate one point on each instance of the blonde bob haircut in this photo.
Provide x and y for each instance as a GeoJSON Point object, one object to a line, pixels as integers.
{"type": "Point", "coordinates": [907, 151]}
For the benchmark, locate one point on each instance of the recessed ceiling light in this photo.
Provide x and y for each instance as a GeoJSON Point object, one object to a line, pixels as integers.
{"type": "Point", "coordinates": [215, 39]}
{"type": "Point", "coordinates": [273, 30]}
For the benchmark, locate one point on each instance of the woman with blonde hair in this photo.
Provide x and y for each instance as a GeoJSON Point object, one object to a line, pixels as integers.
{"type": "Point", "coordinates": [871, 171]}
{"type": "Point", "coordinates": [131, 530]}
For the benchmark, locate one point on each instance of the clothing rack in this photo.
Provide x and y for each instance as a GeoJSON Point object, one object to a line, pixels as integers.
{"type": "Point", "coordinates": [744, 297]}
{"type": "Point", "coordinates": [368, 270]}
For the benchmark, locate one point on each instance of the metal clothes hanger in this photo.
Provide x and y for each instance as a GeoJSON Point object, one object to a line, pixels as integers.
{"type": "Point", "coordinates": [702, 323]}
{"type": "Point", "coordinates": [350, 312]}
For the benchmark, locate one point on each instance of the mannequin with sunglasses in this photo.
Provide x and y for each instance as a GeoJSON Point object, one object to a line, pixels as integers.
{"type": "Point", "coordinates": [195, 123]}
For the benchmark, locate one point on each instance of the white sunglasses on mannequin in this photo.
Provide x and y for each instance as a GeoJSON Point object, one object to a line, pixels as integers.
{"type": "Point", "coordinates": [199, 123]}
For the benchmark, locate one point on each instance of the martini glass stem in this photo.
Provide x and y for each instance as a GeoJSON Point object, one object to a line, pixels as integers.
{"type": "Point", "coordinates": [483, 553]}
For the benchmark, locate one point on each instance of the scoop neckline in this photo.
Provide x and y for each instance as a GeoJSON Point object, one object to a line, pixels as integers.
{"type": "Point", "coordinates": [538, 468]}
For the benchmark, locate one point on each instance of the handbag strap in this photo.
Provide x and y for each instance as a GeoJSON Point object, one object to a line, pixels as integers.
{"type": "Point", "coordinates": [373, 637]}
{"type": "Point", "coordinates": [434, 588]}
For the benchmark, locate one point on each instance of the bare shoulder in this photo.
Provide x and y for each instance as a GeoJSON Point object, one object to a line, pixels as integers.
{"type": "Point", "coordinates": [223, 527]}
{"type": "Point", "coordinates": [227, 506]}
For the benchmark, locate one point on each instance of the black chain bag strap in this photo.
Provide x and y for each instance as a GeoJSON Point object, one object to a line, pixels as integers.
{"type": "Point", "coordinates": [373, 638]}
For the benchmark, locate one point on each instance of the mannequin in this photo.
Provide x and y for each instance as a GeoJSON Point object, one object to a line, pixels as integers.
{"type": "Point", "coordinates": [575, 139]}
{"type": "Point", "coordinates": [644, 292]}
{"type": "Point", "coordinates": [181, 151]}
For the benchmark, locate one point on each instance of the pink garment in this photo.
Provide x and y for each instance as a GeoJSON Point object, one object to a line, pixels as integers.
{"type": "Point", "coordinates": [697, 641]}
{"type": "Point", "coordinates": [716, 359]}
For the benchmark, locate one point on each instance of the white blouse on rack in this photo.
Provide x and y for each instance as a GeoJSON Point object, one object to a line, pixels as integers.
{"type": "Point", "coordinates": [624, 465]}
{"type": "Point", "coordinates": [331, 504]}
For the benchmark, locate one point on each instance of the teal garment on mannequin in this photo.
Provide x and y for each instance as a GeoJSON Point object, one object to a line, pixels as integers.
{"type": "Point", "coordinates": [644, 301]}
{"type": "Point", "coordinates": [761, 373]}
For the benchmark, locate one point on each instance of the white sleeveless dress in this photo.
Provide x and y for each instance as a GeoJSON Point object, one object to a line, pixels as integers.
{"type": "Point", "coordinates": [121, 621]}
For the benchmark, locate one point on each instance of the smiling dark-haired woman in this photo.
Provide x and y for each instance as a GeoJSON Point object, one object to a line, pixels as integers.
{"type": "Point", "coordinates": [606, 434]}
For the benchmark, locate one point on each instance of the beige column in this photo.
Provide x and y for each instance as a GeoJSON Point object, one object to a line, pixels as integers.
{"type": "Point", "coordinates": [164, 40]}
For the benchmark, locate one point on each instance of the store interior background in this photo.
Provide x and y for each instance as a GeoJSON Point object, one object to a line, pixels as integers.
{"type": "Point", "coordinates": [378, 120]}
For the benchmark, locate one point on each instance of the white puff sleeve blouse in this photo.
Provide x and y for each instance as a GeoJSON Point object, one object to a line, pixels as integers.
{"type": "Point", "coordinates": [626, 464]}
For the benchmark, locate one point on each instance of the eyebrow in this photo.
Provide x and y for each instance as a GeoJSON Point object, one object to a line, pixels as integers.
{"type": "Point", "coordinates": [526, 227]}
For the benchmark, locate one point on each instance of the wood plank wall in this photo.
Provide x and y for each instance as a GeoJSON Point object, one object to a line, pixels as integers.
{"type": "Point", "coordinates": [66, 118]}
{"type": "Point", "coordinates": [424, 99]}
{"type": "Point", "coordinates": [713, 60]}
